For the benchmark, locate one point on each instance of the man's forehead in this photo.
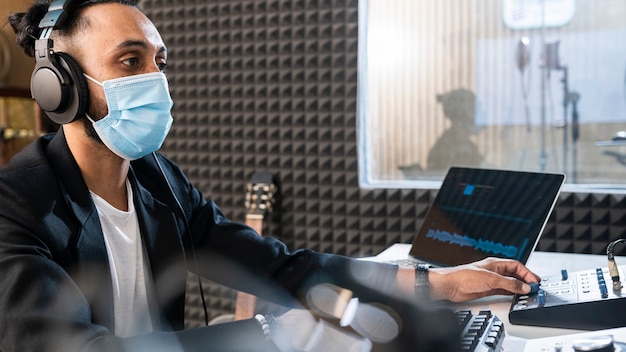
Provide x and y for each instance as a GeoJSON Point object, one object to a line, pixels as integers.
{"type": "Point", "coordinates": [121, 23]}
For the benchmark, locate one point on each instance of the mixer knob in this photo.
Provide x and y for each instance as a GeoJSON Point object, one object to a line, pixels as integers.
{"type": "Point", "coordinates": [596, 344]}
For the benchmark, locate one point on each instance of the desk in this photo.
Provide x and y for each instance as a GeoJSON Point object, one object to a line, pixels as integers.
{"type": "Point", "coordinates": [529, 338]}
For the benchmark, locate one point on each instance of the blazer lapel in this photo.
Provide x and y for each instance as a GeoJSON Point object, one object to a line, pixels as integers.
{"type": "Point", "coordinates": [160, 232]}
{"type": "Point", "coordinates": [92, 273]}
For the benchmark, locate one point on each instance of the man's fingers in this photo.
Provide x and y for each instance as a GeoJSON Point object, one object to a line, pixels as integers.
{"type": "Point", "coordinates": [512, 268]}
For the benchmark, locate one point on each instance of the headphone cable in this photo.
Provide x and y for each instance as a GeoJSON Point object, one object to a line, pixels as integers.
{"type": "Point", "coordinates": [188, 232]}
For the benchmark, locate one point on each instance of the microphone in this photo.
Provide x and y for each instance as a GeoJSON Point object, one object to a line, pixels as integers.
{"type": "Point", "coordinates": [522, 54]}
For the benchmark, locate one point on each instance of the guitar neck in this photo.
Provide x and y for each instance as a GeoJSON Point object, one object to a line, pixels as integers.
{"type": "Point", "coordinates": [246, 303]}
{"type": "Point", "coordinates": [255, 221]}
{"type": "Point", "coordinates": [259, 197]}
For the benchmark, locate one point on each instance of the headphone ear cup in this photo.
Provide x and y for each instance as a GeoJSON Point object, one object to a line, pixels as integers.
{"type": "Point", "coordinates": [60, 89]}
{"type": "Point", "coordinates": [79, 91]}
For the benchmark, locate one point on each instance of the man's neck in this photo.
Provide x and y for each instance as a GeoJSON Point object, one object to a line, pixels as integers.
{"type": "Point", "coordinates": [104, 172]}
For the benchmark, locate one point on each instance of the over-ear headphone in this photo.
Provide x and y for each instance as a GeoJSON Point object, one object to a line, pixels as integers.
{"type": "Point", "coordinates": [57, 83]}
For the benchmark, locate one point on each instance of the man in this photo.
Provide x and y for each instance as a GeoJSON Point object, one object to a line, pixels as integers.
{"type": "Point", "coordinates": [97, 231]}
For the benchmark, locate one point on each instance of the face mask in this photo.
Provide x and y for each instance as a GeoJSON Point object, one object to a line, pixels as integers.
{"type": "Point", "coordinates": [139, 114]}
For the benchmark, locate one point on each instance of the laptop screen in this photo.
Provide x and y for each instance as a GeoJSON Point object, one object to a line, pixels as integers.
{"type": "Point", "coordinates": [479, 213]}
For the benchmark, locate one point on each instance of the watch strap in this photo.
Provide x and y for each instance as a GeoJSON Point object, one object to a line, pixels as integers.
{"type": "Point", "coordinates": [422, 290]}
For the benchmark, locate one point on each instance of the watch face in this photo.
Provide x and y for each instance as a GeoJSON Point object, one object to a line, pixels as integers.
{"type": "Point", "coordinates": [524, 14]}
{"type": "Point", "coordinates": [422, 267]}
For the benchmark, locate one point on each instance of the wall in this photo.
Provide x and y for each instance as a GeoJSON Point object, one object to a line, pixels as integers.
{"type": "Point", "coordinates": [21, 65]}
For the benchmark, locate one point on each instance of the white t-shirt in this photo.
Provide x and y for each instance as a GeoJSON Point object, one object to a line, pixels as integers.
{"type": "Point", "coordinates": [130, 272]}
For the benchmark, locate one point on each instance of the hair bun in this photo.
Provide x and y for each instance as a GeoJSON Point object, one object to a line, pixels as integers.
{"type": "Point", "coordinates": [26, 25]}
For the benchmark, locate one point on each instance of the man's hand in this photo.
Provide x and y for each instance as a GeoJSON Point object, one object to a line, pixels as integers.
{"type": "Point", "coordinates": [491, 276]}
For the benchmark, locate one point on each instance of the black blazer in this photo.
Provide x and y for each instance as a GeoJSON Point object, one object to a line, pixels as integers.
{"type": "Point", "coordinates": [55, 286]}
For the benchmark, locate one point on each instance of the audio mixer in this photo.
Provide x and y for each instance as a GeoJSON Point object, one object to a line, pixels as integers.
{"type": "Point", "coordinates": [585, 300]}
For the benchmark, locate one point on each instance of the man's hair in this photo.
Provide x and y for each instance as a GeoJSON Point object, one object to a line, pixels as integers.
{"type": "Point", "coordinates": [26, 24]}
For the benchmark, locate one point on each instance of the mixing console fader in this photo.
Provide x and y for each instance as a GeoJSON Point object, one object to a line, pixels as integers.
{"type": "Point", "coordinates": [481, 332]}
{"type": "Point", "coordinates": [578, 300]}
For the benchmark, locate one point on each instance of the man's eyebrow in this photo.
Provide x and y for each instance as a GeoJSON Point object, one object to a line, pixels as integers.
{"type": "Point", "coordinates": [137, 43]}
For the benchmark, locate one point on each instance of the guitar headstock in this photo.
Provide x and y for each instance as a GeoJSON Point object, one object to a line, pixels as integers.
{"type": "Point", "coordinates": [260, 192]}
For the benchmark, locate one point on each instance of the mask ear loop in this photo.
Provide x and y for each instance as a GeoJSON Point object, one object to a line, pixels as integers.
{"type": "Point", "coordinates": [93, 80]}
{"type": "Point", "coordinates": [613, 271]}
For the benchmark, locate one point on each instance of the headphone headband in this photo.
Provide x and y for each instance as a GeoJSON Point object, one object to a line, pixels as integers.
{"type": "Point", "coordinates": [57, 14]}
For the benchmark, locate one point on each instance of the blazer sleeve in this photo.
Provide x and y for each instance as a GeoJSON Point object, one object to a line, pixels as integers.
{"type": "Point", "coordinates": [231, 253]}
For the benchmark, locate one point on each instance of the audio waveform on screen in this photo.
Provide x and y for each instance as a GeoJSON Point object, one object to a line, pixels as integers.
{"type": "Point", "coordinates": [480, 244]}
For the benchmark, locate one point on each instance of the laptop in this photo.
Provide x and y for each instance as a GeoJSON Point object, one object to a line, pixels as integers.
{"type": "Point", "coordinates": [479, 213]}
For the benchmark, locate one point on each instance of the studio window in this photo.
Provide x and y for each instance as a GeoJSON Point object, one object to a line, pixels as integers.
{"type": "Point", "coordinates": [534, 85]}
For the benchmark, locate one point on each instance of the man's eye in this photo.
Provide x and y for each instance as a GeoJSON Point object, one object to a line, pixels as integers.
{"type": "Point", "coordinates": [162, 66]}
{"type": "Point", "coordinates": [131, 61]}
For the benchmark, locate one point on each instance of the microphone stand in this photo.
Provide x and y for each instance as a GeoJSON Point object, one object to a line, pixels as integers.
{"type": "Point", "coordinates": [543, 156]}
{"type": "Point", "coordinates": [551, 62]}
{"type": "Point", "coordinates": [565, 124]}
{"type": "Point", "coordinates": [573, 97]}
{"type": "Point", "coordinates": [570, 97]}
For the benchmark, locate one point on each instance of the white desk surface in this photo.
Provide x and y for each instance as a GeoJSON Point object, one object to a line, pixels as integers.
{"type": "Point", "coordinates": [531, 338]}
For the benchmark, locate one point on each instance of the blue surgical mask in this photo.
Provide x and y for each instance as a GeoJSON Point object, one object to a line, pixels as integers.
{"type": "Point", "coordinates": [139, 115]}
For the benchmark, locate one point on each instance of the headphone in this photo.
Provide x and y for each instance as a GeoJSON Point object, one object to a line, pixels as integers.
{"type": "Point", "coordinates": [57, 83]}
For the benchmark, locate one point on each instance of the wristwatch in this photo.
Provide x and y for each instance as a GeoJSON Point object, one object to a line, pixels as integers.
{"type": "Point", "coordinates": [421, 280]}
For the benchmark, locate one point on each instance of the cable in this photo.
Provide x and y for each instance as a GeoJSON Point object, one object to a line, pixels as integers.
{"type": "Point", "coordinates": [610, 252]}
{"type": "Point", "coordinates": [188, 232]}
